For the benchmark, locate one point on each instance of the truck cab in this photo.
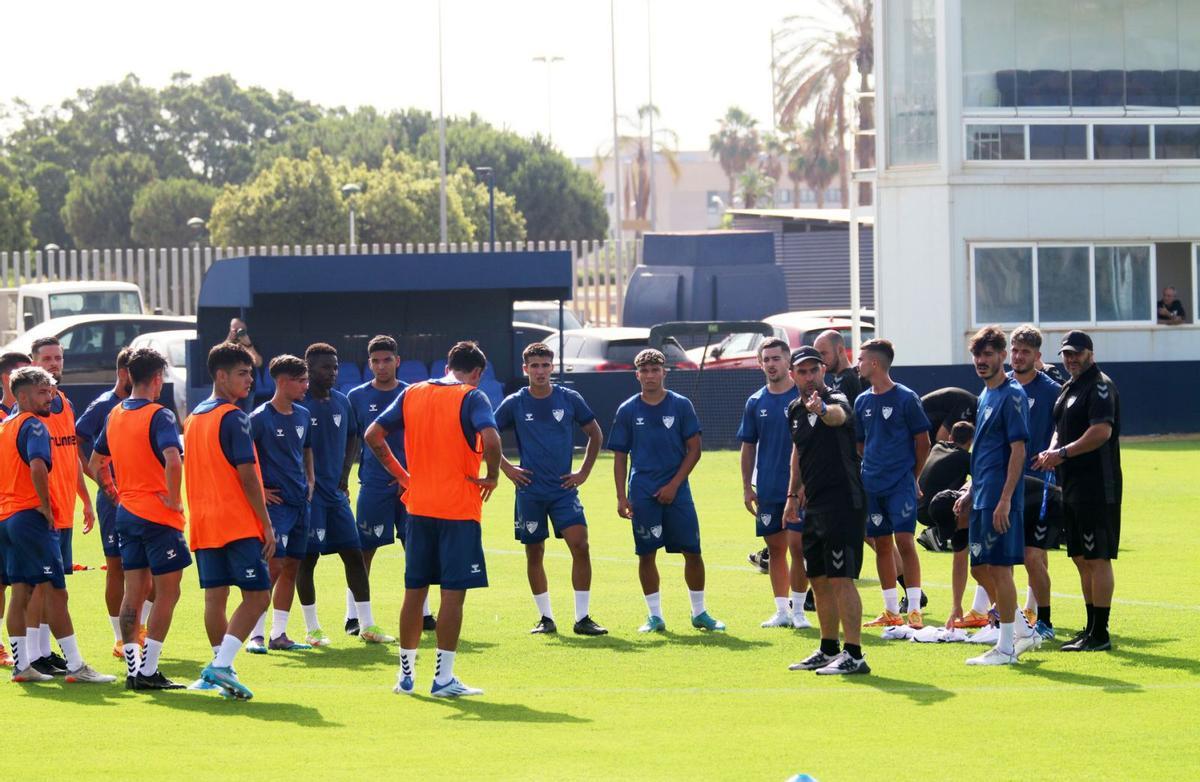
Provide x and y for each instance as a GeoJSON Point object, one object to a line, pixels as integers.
{"type": "Point", "coordinates": [34, 303]}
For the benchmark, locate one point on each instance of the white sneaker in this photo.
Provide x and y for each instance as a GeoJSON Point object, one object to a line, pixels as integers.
{"type": "Point", "coordinates": [844, 664]}
{"type": "Point", "coordinates": [993, 656]}
{"type": "Point", "coordinates": [453, 689]}
{"type": "Point", "coordinates": [1022, 645]}
{"type": "Point", "coordinates": [85, 674]}
{"type": "Point", "coordinates": [800, 621]}
{"type": "Point", "coordinates": [780, 619]}
{"type": "Point", "coordinates": [985, 635]}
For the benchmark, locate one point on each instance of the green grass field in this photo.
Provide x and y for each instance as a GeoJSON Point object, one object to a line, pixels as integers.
{"type": "Point", "coordinates": [679, 706]}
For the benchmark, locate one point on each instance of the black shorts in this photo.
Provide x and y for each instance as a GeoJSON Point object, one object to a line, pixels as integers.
{"type": "Point", "coordinates": [1092, 529]}
{"type": "Point", "coordinates": [833, 542]}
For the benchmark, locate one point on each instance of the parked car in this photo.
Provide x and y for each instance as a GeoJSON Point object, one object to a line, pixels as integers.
{"type": "Point", "coordinates": [172, 345]}
{"type": "Point", "coordinates": [545, 313]}
{"type": "Point", "coordinates": [91, 342]}
{"type": "Point", "coordinates": [34, 303]}
{"type": "Point", "coordinates": [740, 351]}
{"type": "Point", "coordinates": [611, 349]}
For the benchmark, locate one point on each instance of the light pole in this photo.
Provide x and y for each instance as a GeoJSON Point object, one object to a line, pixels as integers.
{"type": "Point", "coordinates": [549, 60]}
{"type": "Point", "coordinates": [650, 101]}
{"type": "Point", "coordinates": [441, 137]}
{"type": "Point", "coordinates": [490, 174]}
{"type": "Point", "coordinates": [612, 32]}
{"type": "Point", "coordinates": [348, 190]}
{"type": "Point", "coordinates": [196, 224]}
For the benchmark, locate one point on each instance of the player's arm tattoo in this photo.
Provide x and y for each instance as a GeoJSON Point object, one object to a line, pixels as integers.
{"type": "Point", "coordinates": [376, 439]}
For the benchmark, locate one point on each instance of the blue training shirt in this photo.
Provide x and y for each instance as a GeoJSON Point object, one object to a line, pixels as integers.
{"type": "Point", "coordinates": [368, 402]}
{"type": "Point", "coordinates": [1042, 392]}
{"type": "Point", "coordinates": [655, 438]}
{"type": "Point", "coordinates": [545, 431]}
{"type": "Point", "coordinates": [887, 424]}
{"type": "Point", "coordinates": [164, 433]}
{"type": "Point", "coordinates": [1003, 419]}
{"type": "Point", "coordinates": [94, 418]}
{"type": "Point", "coordinates": [234, 434]}
{"type": "Point", "coordinates": [474, 416]}
{"type": "Point", "coordinates": [33, 441]}
{"type": "Point", "coordinates": [332, 423]}
{"type": "Point", "coordinates": [281, 440]}
{"type": "Point", "coordinates": [765, 424]}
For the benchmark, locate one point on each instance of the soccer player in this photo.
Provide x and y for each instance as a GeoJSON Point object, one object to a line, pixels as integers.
{"type": "Point", "coordinates": [8, 362]}
{"type": "Point", "coordinates": [1025, 356]}
{"type": "Point", "coordinates": [996, 495]}
{"type": "Point", "coordinates": [947, 406]}
{"type": "Point", "coordinates": [766, 461]}
{"type": "Point", "coordinates": [825, 481]}
{"type": "Point", "coordinates": [1086, 451]}
{"type": "Point", "coordinates": [840, 374]}
{"type": "Point", "coordinates": [893, 440]}
{"type": "Point", "coordinates": [230, 530]}
{"type": "Point", "coordinates": [139, 449]}
{"type": "Point", "coordinates": [449, 430]}
{"type": "Point", "coordinates": [380, 510]}
{"type": "Point", "coordinates": [947, 468]}
{"type": "Point", "coordinates": [280, 429]}
{"type": "Point", "coordinates": [659, 432]}
{"type": "Point", "coordinates": [331, 526]}
{"type": "Point", "coordinates": [544, 417]}
{"type": "Point", "coordinates": [29, 531]}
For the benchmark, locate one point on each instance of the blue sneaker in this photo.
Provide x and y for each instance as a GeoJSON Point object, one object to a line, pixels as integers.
{"type": "Point", "coordinates": [227, 680]}
{"type": "Point", "coordinates": [256, 645]}
{"type": "Point", "coordinates": [404, 685]}
{"type": "Point", "coordinates": [1044, 630]}
{"type": "Point", "coordinates": [703, 621]}
{"type": "Point", "coordinates": [202, 686]}
{"type": "Point", "coordinates": [654, 624]}
{"type": "Point", "coordinates": [453, 689]}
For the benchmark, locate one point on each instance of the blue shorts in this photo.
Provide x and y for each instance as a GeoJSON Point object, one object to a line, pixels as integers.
{"type": "Point", "coordinates": [769, 520]}
{"type": "Point", "coordinates": [533, 517]}
{"type": "Point", "coordinates": [290, 524]}
{"type": "Point", "coordinates": [106, 517]}
{"type": "Point", "coordinates": [33, 555]}
{"type": "Point", "coordinates": [147, 544]}
{"type": "Point", "coordinates": [673, 526]}
{"type": "Point", "coordinates": [382, 517]}
{"type": "Point", "coordinates": [238, 563]}
{"type": "Point", "coordinates": [4, 544]}
{"type": "Point", "coordinates": [894, 512]}
{"type": "Point", "coordinates": [331, 528]}
{"type": "Point", "coordinates": [989, 547]}
{"type": "Point", "coordinates": [797, 526]}
{"type": "Point", "coordinates": [65, 537]}
{"type": "Point", "coordinates": [446, 552]}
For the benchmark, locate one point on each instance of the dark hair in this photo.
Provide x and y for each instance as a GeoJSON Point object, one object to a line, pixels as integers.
{"type": "Point", "coordinates": [382, 342]}
{"type": "Point", "coordinates": [287, 364]}
{"type": "Point", "coordinates": [1027, 334]}
{"type": "Point", "coordinates": [465, 357]}
{"type": "Point", "coordinates": [774, 342]}
{"type": "Point", "coordinates": [880, 347]}
{"type": "Point", "coordinates": [10, 361]}
{"type": "Point", "coordinates": [29, 376]}
{"type": "Point", "coordinates": [123, 358]}
{"type": "Point", "coordinates": [226, 356]}
{"type": "Point", "coordinates": [962, 433]}
{"type": "Point", "coordinates": [538, 349]}
{"type": "Point", "coordinates": [42, 342]}
{"type": "Point", "coordinates": [144, 364]}
{"type": "Point", "coordinates": [988, 337]}
{"type": "Point", "coordinates": [319, 349]}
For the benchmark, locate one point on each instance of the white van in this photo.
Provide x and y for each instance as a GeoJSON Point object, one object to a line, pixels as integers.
{"type": "Point", "coordinates": [34, 303]}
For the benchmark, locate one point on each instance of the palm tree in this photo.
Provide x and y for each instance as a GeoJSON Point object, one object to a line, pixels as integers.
{"type": "Point", "coordinates": [812, 160]}
{"type": "Point", "coordinates": [735, 144]}
{"type": "Point", "coordinates": [754, 186]}
{"type": "Point", "coordinates": [814, 66]}
{"type": "Point", "coordinates": [637, 186]}
{"type": "Point", "coordinates": [773, 160]}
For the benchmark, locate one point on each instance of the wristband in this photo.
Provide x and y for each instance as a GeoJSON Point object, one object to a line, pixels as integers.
{"type": "Point", "coordinates": [824, 408]}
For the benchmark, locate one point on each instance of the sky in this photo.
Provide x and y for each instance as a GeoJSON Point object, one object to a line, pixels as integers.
{"type": "Point", "coordinates": [706, 56]}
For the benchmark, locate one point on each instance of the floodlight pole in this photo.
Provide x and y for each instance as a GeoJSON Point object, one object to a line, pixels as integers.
{"type": "Point", "coordinates": [441, 138]}
{"type": "Point", "coordinates": [612, 30]}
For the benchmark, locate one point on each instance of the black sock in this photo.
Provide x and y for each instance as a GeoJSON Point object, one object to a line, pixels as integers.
{"type": "Point", "coordinates": [829, 647]}
{"type": "Point", "coordinates": [900, 581]}
{"type": "Point", "coordinates": [1044, 615]}
{"type": "Point", "coordinates": [1100, 623]}
{"type": "Point", "coordinates": [1091, 617]}
{"type": "Point", "coordinates": [854, 650]}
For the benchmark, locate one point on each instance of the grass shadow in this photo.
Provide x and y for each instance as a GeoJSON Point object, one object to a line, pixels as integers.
{"type": "Point", "coordinates": [1074, 678]}
{"type": "Point", "coordinates": [490, 711]}
{"type": "Point", "coordinates": [357, 658]}
{"type": "Point", "coordinates": [609, 643]}
{"type": "Point", "coordinates": [920, 693]}
{"type": "Point", "coordinates": [723, 640]}
{"type": "Point", "coordinates": [77, 694]}
{"type": "Point", "coordinates": [1167, 662]}
{"type": "Point", "coordinates": [467, 645]}
{"type": "Point", "coordinates": [268, 711]}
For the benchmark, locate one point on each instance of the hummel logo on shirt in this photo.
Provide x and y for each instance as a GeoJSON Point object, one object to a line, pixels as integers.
{"type": "Point", "coordinates": [529, 416]}
{"type": "Point", "coordinates": [373, 408]}
{"type": "Point", "coordinates": [474, 567]}
{"type": "Point", "coordinates": [763, 412]}
{"type": "Point", "coordinates": [639, 421]}
{"type": "Point", "coordinates": [279, 433]}
{"type": "Point", "coordinates": [250, 572]}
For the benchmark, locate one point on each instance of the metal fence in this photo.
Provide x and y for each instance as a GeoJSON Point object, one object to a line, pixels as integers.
{"type": "Point", "coordinates": [170, 278]}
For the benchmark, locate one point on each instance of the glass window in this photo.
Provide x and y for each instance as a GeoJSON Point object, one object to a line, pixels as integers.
{"type": "Point", "coordinates": [1097, 48]}
{"type": "Point", "coordinates": [1063, 290]}
{"type": "Point", "coordinates": [1003, 284]}
{"type": "Point", "coordinates": [1173, 142]}
{"type": "Point", "coordinates": [1121, 142]}
{"type": "Point", "coordinates": [1122, 283]}
{"type": "Point", "coordinates": [989, 54]}
{"type": "Point", "coordinates": [911, 50]}
{"type": "Point", "coordinates": [995, 142]}
{"type": "Point", "coordinates": [1188, 31]}
{"type": "Point", "coordinates": [1151, 53]}
{"type": "Point", "coordinates": [1057, 142]}
{"type": "Point", "coordinates": [1042, 36]}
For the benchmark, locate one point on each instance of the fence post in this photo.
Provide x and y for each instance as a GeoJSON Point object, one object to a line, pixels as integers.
{"type": "Point", "coordinates": [139, 262]}
{"type": "Point", "coordinates": [153, 299]}
{"type": "Point", "coordinates": [575, 276]}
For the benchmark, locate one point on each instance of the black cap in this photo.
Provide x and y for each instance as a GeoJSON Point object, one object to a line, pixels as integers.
{"type": "Point", "coordinates": [806, 353]}
{"type": "Point", "coordinates": [1075, 341]}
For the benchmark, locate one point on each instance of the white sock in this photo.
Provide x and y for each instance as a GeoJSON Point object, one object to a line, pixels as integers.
{"type": "Point", "coordinates": [914, 598]}
{"type": "Point", "coordinates": [781, 605]}
{"type": "Point", "coordinates": [365, 617]}
{"type": "Point", "coordinates": [583, 599]}
{"type": "Point", "coordinates": [147, 607]}
{"type": "Point", "coordinates": [33, 645]}
{"type": "Point", "coordinates": [215, 650]}
{"type": "Point", "coordinates": [408, 662]}
{"type": "Point", "coordinates": [351, 610]}
{"type": "Point", "coordinates": [1005, 644]}
{"type": "Point", "coordinates": [542, 602]}
{"type": "Point", "coordinates": [44, 640]}
{"type": "Point", "coordinates": [279, 620]}
{"type": "Point", "coordinates": [310, 617]}
{"type": "Point", "coordinates": [697, 599]}
{"type": "Point", "coordinates": [1021, 626]}
{"type": "Point", "coordinates": [133, 658]}
{"type": "Point", "coordinates": [227, 651]}
{"type": "Point", "coordinates": [17, 642]}
{"type": "Point", "coordinates": [1030, 600]}
{"type": "Point", "coordinates": [798, 603]}
{"type": "Point", "coordinates": [115, 621]}
{"type": "Point", "coordinates": [150, 660]}
{"type": "Point", "coordinates": [444, 671]}
{"type": "Point", "coordinates": [425, 608]}
{"type": "Point", "coordinates": [70, 650]}
{"type": "Point", "coordinates": [891, 600]}
{"type": "Point", "coordinates": [981, 603]}
{"type": "Point", "coordinates": [260, 627]}
{"type": "Point", "coordinates": [654, 604]}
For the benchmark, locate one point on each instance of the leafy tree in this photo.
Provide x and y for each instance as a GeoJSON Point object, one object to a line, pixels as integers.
{"type": "Point", "coordinates": [162, 209]}
{"type": "Point", "coordinates": [51, 182]}
{"type": "Point", "coordinates": [510, 223]}
{"type": "Point", "coordinates": [18, 205]}
{"type": "Point", "coordinates": [812, 160]}
{"type": "Point", "coordinates": [361, 137]}
{"type": "Point", "coordinates": [96, 212]}
{"type": "Point", "coordinates": [754, 187]}
{"type": "Point", "coordinates": [735, 144]}
{"type": "Point", "coordinates": [394, 208]}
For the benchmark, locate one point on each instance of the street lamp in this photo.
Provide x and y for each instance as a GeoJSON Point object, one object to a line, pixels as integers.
{"type": "Point", "coordinates": [349, 189]}
{"type": "Point", "coordinates": [549, 60]}
{"type": "Point", "coordinates": [196, 224]}
{"type": "Point", "coordinates": [490, 174]}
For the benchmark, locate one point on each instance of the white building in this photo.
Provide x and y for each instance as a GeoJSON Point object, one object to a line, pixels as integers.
{"type": "Point", "coordinates": [1039, 161]}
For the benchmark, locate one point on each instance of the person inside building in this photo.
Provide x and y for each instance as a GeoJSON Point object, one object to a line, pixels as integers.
{"type": "Point", "coordinates": [1170, 308]}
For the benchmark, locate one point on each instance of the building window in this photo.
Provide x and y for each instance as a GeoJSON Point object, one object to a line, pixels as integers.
{"type": "Point", "coordinates": [1111, 139]}
{"type": "Point", "coordinates": [1064, 295]}
{"type": "Point", "coordinates": [1123, 283]}
{"type": "Point", "coordinates": [995, 142]}
{"type": "Point", "coordinates": [910, 44]}
{"type": "Point", "coordinates": [1176, 142]}
{"type": "Point", "coordinates": [1121, 142]}
{"type": "Point", "coordinates": [1004, 284]}
{"type": "Point", "coordinates": [1058, 142]}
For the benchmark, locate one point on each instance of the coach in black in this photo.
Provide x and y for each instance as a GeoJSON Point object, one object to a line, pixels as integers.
{"type": "Point", "coordinates": [1086, 452]}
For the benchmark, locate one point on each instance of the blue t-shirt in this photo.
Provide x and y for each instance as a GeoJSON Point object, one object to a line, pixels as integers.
{"type": "Point", "coordinates": [1003, 419]}
{"type": "Point", "coordinates": [887, 424]}
{"type": "Point", "coordinates": [164, 433]}
{"type": "Point", "coordinates": [765, 423]}
{"type": "Point", "coordinates": [33, 441]}
{"type": "Point", "coordinates": [545, 435]}
{"type": "Point", "coordinates": [474, 416]}
{"type": "Point", "coordinates": [332, 423]}
{"type": "Point", "coordinates": [236, 443]}
{"type": "Point", "coordinates": [281, 440]}
{"type": "Point", "coordinates": [92, 422]}
{"type": "Point", "coordinates": [368, 402]}
{"type": "Point", "coordinates": [1042, 393]}
{"type": "Point", "coordinates": [655, 437]}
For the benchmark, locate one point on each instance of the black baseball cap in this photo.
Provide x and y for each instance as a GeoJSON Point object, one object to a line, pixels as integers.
{"type": "Point", "coordinates": [1075, 341]}
{"type": "Point", "coordinates": [806, 353]}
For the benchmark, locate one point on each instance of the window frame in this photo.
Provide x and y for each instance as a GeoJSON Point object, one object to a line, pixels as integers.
{"type": "Point", "coordinates": [1151, 123]}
